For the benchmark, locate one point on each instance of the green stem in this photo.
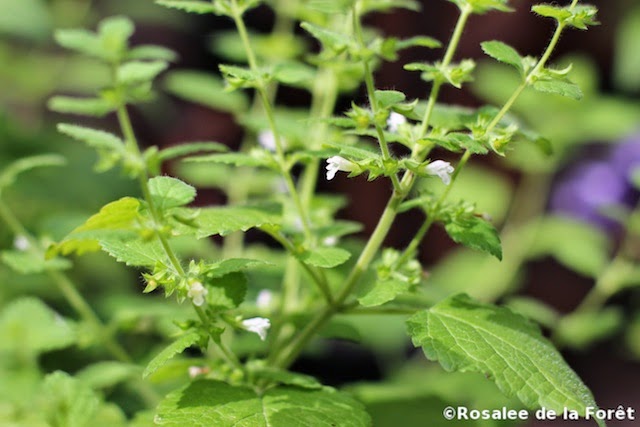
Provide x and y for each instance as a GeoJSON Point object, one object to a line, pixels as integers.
{"type": "Point", "coordinates": [227, 354]}
{"type": "Point", "coordinates": [268, 108]}
{"type": "Point", "coordinates": [286, 356]}
{"type": "Point", "coordinates": [370, 85]}
{"type": "Point", "coordinates": [446, 60]}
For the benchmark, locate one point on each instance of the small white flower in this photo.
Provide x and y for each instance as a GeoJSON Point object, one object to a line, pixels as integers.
{"type": "Point", "coordinates": [197, 293]}
{"type": "Point", "coordinates": [441, 169]}
{"type": "Point", "coordinates": [337, 163]}
{"type": "Point", "coordinates": [196, 371]}
{"type": "Point", "coordinates": [394, 121]}
{"type": "Point", "coordinates": [264, 300]}
{"type": "Point", "coordinates": [267, 140]}
{"type": "Point", "coordinates": [21, 243]}
{"type": "Point", "coordinates": [257, 325]}
{"type": "Point", "coordinates": [330, 241]}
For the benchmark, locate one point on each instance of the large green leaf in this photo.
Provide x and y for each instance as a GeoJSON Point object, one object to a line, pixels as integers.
{"type": "Point", "coordinates": [208, 403]}
{"type": "Point", "coordinates": [134, 252]}
{"type": "Point", "coordinates": [116, 219]}
{"type": "Point", "coordinates": [28, 326]}
{"type": "Point", "coordinates": [465, 335]}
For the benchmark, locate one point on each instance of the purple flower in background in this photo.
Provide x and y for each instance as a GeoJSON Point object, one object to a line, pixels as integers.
{"type": "Point", "coordinates": [591, 186]}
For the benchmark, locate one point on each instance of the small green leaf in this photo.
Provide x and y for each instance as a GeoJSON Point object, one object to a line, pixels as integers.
{"type": "Point", "coordinates": [167, 192]}
{"type": "Point", "coordinates": [243, 77]}
{"type": "Point", "coordinates": [388, 98]}
{"type": "Point", "coordinates": [199, 7]}
{"type": "Point", "coordinates": [578, 16]}
{"type": "Point", "coordinates": [28, 326]}
{"type": "Point", "coordinates": [96, 107]}
{"type": "Point", "coordinates": [31, 263]}
{"type": "Point", "coordinates": [92, 137]}
{"type": "Point", "coordinates": [134, 72]}
{"type": "Point", "coordinates": [422, 41]}
{"type": "Point", "coordinates": [294, 73]}
{"type": "Point", "coordinates": [280, 376]}
{"type": "Point", "coordinates": [204, 89]}
{"type": "Point", "coordinates": [330, 40]}
{"type": "Point", "coordinates": [559, 87]}
{"type": "Point", "coordinates": [483, 6]}
{"type": "Point", "coordinates": [82, 41]}
{"type": "Point", "coordinates": [178, 346]}
{"type": "Point", "coordinates": [151, 52]}
{"type": "Point", "coordinates": [384, 291]}
{"type": "Point", "coordinates": [325, 257]}
{"type": "Point", "coordinates": [223, 405]}
{"type": "Point", "coordinates": [10, 173]}
{"type": "Point", "coordinates": [232, 265]}
{"type": "Point", "coordinates": [465, 335]}
{"type": "Point", "coordinates": [227, 219]}
{"type": "Point", "coordinates": [503, 53]}
{"type": "Point", "coordinates": [475, 233]}
{"type": "Point", "coordinates": [186, 148]}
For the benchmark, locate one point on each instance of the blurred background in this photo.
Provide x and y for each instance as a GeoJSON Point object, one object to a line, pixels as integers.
{"type": "Point", "coordinates": [561, 215]}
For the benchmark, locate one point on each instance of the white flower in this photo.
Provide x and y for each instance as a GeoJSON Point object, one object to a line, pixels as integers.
{"type": "Point", "coordinates": [264, 300]}
{"type": "Point", "coordinates": [196, 371]}
{"type": "Point", "coordinates": [21, 243]}
{"type": "Point", "coordinates": [330, 241]}
{"type": "Point", "coordinates": [267, 140]}
{"type": "Point", "coordinates": [197, 292]}
{"type": "Point", "coordinates": [257, 325]}
{"type": "Point", "coordinates": [394, 121]}
{"type": "Point", "coordinates": [440, 168]}
{"type": "Point", "coordinates": [337, 163]}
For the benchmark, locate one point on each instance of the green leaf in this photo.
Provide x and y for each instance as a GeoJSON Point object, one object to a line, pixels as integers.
{"type": "Point", "coordinates": [422, 41]}
{"type": "Point", "coordinates": [115, 220]}
{"type": "Point", "coordinates": [96, 107]}
{"type": "Point", "coordinates": [294, 73]}
{"type": "Point", "coordinates": [280, 376]}
{"type": "Point", "coordinates": [82, 41]}
{"type": "Point", "coordinates": [134, 72]}
{"type": "Point", "coordinates": [114, 33]}
{"type": "Point", "coordinates": [205, 89]}
{"type": "Point", "coordinates": [384, 291]}
{"type": "Point", "coordinates": [483, 6]}
{"type": "Point", "coordinates": [10, 172]}
{"type": "Point", "coordinates": [578, 16]}
{"type": "Point", "coordinates": [151, 52]}
{"type": "Point", "coordinates": [388, 98]}
{"type": "Point", "coordinates": [464, 335]}
{"type": "Point", "coordinates": [330, 40]}
{"type": "Point", "coordinates": [214, 403]}
{"type": "Point", "coordinates": [92, 137]}
{"type": "Point", "coordinates": [475, 233]}
{"type": "Point", "coordinates": [254, 158]}
{"type": "Point", "coordinates": [28, 326]}
{"type": "Point", "coordinates": [134, 252]}
{"type": "Point", "coordinates": [226, 292]}
{"type": "Point", "coordinates": [107, 374]}
{"type": "Point", "coordinates": [576, 245]}
{"type": "Point", "coordinates": [200, 7]}
{"type": "Point", "coordinates": [626, 62]}
{"type": "Point", "coordinates": [173, 349]}
{"type": "Point", "coordinates": [582, 329]}
{"type": "Point", "coordinates": [503, 53]}
{"type": "Point", "coordinates": [67, 401]}
{"type": "Point", "coordinates": [227, 219]}
{"type": "Point", "coordinates": [167, 192]}
{"type": "Point", "coordinates": [186, 148]}
{"type": "Point", "coordinates": [559, 87]}
{"type": "Point", "coordinates": [232, 265]}
{"type": "Point", "coordinates": [243, 77]}
{"type": "Point", "coordinates": [30, 263]}
{"type": "Point", "coordinates": [325, 257]}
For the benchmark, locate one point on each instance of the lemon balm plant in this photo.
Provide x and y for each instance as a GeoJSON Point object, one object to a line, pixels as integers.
{"type": "Point", "coordinates": [246, 312]}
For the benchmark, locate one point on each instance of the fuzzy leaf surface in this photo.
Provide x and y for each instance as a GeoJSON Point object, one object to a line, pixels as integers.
{"type": "Point", "coordinates": [168, 192]}
{"type": "Point", "coordinates": [465, 335]}
{"type": "Point", "coordinates": [207, 403]}
{"type": "Point", "coordinates": [227, 219]}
